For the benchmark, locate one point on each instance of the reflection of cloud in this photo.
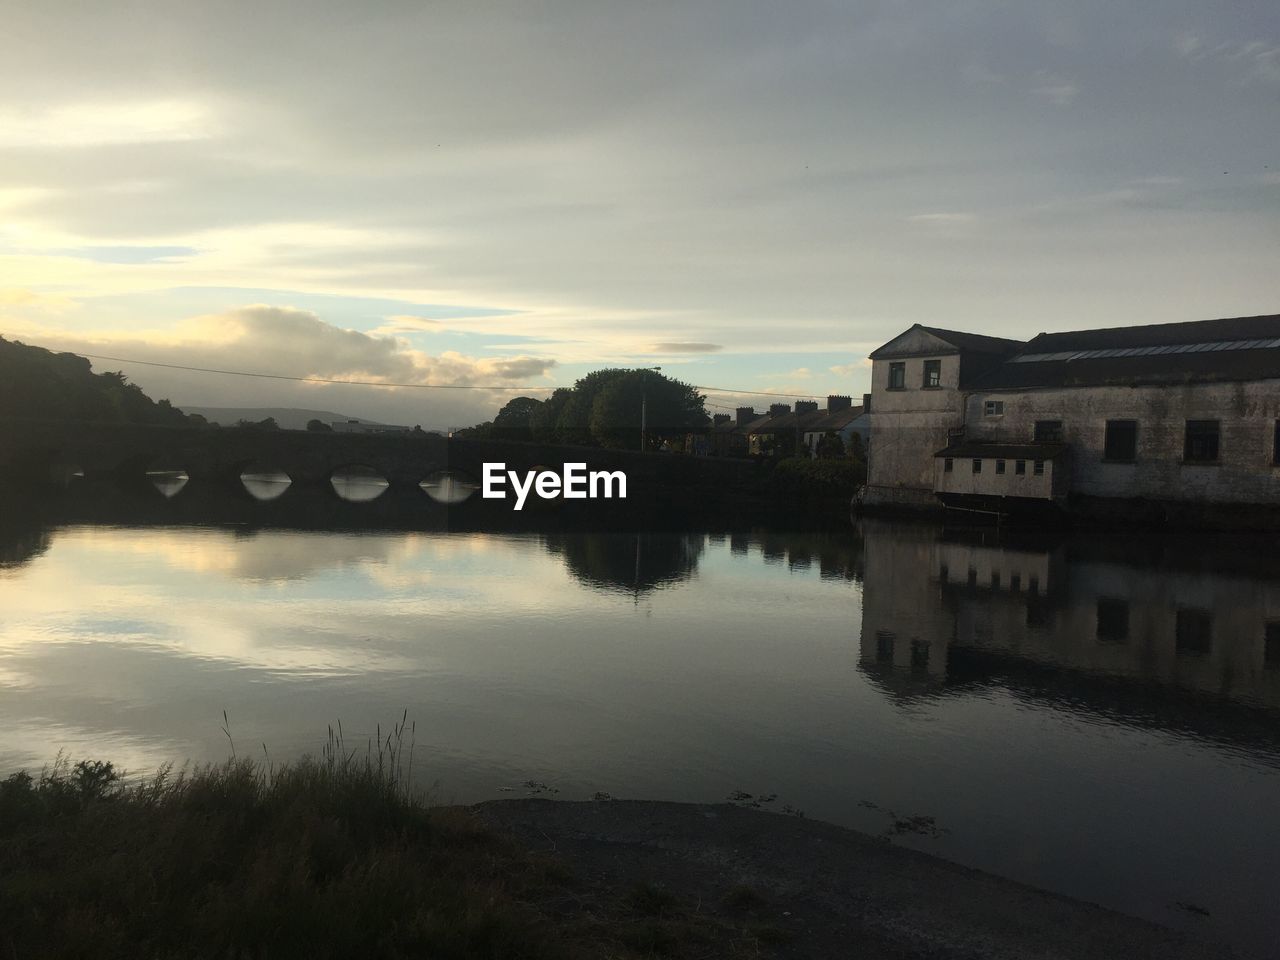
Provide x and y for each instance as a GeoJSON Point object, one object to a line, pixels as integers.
{"type": "Point", "coordinates": [1055, 89]}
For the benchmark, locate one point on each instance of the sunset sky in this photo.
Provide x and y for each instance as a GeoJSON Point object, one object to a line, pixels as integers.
{"type": "Point", "coordinates": [751, 195]}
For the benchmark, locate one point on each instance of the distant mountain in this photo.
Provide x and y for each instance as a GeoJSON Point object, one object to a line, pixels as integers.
{"type": "Point", "coordinates": [38, 383]}
{"type": "Point", "coordinates": [288, 418]}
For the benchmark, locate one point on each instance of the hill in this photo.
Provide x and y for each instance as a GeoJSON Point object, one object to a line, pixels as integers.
{"type": "Point", "coordinates": [41, 384]}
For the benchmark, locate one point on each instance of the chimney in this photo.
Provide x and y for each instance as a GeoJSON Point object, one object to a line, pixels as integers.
{"type": "Point", "coordinates": [866, 403]}
{"type": "Point", "coordinates": [836, 403]}
{"type": "Point", "coordinates": [806, 406]}
{"type": "Point", "coordinates": [778, 409]}
{"type": "Point", "coordinates": [745, 415]}
{"type": "Point", "coordinates": [720, 418]}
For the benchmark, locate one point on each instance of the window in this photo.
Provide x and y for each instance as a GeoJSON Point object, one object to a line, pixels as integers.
{"type": "Point", "coordinates": [1121, 444]}
{"type": "Point", "coordinates": [1015, 583]}
{"type": "Point", "coordinates": [1271, 654]}
{"type": "Point", "coordinates": [919, 655]}
{"type": "Point", "coordinates": [1020, 467]}
{"type": "Point", "coordinates": [1275, 449]}
{"type": "Point", "coordinates": [948, 465]}
{"type": "Point", "coordinates": [884, 646]}
{"type": "Point", "coordinates": [1048, 431]}
{"type": "Point", "coordinates": [1113, 621]}
{"type": "Point", "coordinates": [995, 579]}
{"type": "Point", "coordinates": [993, 408]}
{"type": "Point", "coordinates": [897, 376]}
{"type": "Point", "coordinates": [977, 465]}
{"type": "Point", "coordinates": [932, 374]}
{"type": "Point", "coordinates": [1039, 468]}
{"type": "Point", "coordinates": [1193, 632]}
{"type": "Point", "coordinates": [1202, 442]}
{"type": "Point", "coordinates": [999, 466]}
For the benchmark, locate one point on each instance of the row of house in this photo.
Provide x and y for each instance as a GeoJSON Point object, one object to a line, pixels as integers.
{"type": "Point", "coordinates": [1165, 413]}
{"type": "Point", "coordinates": [787, 431]}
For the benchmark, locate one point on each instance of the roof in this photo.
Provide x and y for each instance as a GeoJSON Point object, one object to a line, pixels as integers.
{"type": "Point", "coordinates": [1241, 348]}
{"type": "Point", "coordinates": [976, 342]}
{"type": "Point", "coordinates": [1159, 334]}
{"type": "Point", "coordinates": [834, 421]}
{"type": "Point", "coordinates": [783, 423]}
{"type": "Point", "coordinates": [1003, 451]}
{"type": "Point", "coordinates": [959, 340]}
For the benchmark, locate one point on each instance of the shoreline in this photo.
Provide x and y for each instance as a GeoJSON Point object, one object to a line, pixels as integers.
{"type": "Point", "coordinates": [821, 890]}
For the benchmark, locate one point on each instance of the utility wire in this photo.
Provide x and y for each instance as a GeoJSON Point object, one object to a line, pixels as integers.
{"type": "Point", "coordinates": [415, 386]}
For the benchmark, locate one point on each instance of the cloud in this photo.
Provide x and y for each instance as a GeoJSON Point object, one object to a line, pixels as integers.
{"type": "Point", "coordinates": [1055, 89]}
{"type": "Point", "coordinates": [283, 341]}
{"type": "Point", "coordinates": [677, 346]}
{"type": "Point", "coordinates": [99, 123]}
{"type": "Point", "coordinates": [942, 218]}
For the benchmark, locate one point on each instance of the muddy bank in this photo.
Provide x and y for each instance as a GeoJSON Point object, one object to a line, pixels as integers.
{"type": "Point", "coordinates": [812, 889]}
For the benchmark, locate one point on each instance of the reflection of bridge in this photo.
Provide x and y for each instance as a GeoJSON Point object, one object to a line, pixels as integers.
{"type": "Point", "coordinates": [35, 451]}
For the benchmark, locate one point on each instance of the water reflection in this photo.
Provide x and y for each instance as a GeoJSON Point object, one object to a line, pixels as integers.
{"type": "Point", "coordinates": [168, 482]}
{"type": "Point", "coordinates": [449, 486]}
{"type": "Point", "coordinates": [938, 607]}
{"type": "Point", "coordinates": [628, 561]}
{"type": "Point", "coordinates": [265, 484]}
{"type": "Point", "coordinates": [358, 484]}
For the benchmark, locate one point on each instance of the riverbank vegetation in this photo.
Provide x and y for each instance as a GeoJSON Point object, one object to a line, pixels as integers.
{"type": "Point", "coordinates": [327, 858]}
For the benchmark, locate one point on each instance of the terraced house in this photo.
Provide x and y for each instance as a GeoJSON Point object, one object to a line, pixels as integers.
{"type": "Point", "coordinates": [1150, 417]}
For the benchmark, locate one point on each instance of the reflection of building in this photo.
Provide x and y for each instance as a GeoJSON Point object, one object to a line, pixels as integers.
{"type": "Point", "coordinates": [929, 601]}
{"type": "Point", "coordinates": [1170, 412]}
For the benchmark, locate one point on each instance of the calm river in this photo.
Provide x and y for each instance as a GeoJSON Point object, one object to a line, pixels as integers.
{"type": "Point", "coordinates": [1099, 719]}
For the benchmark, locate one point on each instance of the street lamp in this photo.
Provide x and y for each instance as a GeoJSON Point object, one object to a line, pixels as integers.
{"type": "Point", "coordinates": [644, 406]}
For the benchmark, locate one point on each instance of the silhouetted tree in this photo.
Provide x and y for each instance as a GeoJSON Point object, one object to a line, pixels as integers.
{"type": "Point", "coordinates": [515, 420]}
{"type": "Point", "coordinates": [319, 426]}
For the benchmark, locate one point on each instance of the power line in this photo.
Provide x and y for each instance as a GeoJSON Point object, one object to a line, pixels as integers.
{"type": "Point", "coordinates": [414, 386]}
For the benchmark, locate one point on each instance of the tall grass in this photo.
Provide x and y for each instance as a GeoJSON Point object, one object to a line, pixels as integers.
{"type": "Point", "coordinates": [334, 856]}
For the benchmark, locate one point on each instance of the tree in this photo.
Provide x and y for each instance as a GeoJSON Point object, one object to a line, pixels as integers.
{"type": "Point", "coordinates": [319, 426]}
{"type": "Point", "coordinates": [515, 420]}
{"type": "Point", "coordinates": [671, 409]}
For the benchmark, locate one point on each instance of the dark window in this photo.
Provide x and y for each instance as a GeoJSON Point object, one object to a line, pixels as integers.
{"type": "Point", "coordinates": [1015, 582]}
{"type": "Point", "coordinates": [1048, 431]}
{"type": "Point", "coordinates": [932, 373]}
{"type": "Point", "coordinates": [1193, 632]}
{"type": "Point", "coordinates": [1020, 467]}
{"type": "Point", "coordinates": [993, 408]}
{"type": "Point", "coordinates": [897, 376]}
{"type": "Point", "coordinates": [1033, 586]}
{"type": "Point", "coordinates": [919, 655]}
{"type": "Point", "coordinates": [1275, 451]}
{"type": "Point", "coordinates": [1113, 621]}
{"type": "Point", "coordinates": [1039, 468]}
{"type": "Point", "coordinates": [999, 466]}
{"type": "Point", "coordinates": [995, 579]}
{"type": "Point", "coordinates": [944, 573]}
{"type": "Point", "coordinates": [884, 646]}
{"type": "Point", "coordinates": [1122, 441]}
{"type": "Point", "coordinates": [977, 465]}
{"type": "Point", "coordinates": [1202, 442]}
{"type": "Point", "coordinates": [948, 465]}
{"type": "Point", "coordinates": [1271, 653]}
{"type": "Point", "coordinates": [973, 579]}
{"type": "Point", "coordinates": [1037, 611]}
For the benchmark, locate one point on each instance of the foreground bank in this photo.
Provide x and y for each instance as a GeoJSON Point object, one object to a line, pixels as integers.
{"type": "Point", "coordinates": [332, 859]}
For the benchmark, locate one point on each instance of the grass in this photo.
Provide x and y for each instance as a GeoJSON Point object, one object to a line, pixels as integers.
{"type": "Point", "coordinates": [329, 857]}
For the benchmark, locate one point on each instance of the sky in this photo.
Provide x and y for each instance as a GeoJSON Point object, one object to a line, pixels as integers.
{"type": "Point", "coordinates": [751, 195]}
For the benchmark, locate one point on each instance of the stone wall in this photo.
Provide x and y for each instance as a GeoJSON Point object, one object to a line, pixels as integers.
{"type": "Point", "coordinates": [1248, 413]}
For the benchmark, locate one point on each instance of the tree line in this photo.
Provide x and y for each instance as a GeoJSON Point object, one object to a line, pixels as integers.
{"type": "Point", "coordinates": [603, 409]}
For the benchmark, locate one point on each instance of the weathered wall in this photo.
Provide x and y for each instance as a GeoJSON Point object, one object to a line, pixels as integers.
{"type": "Point", "coordinates": [1247, 411]}
{"type": "Point", "coordinates": [988, 483]}
{"type": "Point", "coordinates": [908, 427]}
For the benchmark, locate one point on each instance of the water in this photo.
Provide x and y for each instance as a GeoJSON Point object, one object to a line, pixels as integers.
{"type": "Point", "coordinates": [1112, 735]}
